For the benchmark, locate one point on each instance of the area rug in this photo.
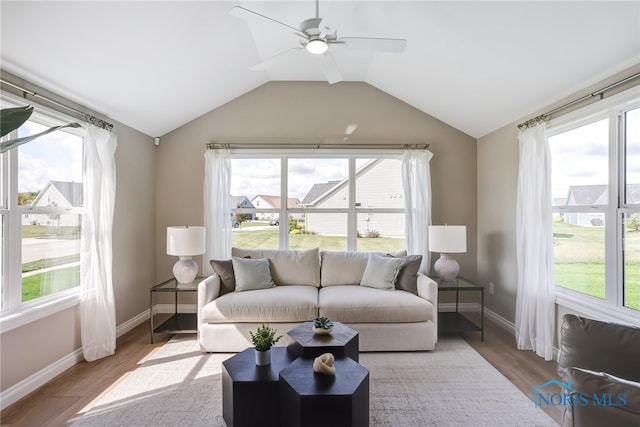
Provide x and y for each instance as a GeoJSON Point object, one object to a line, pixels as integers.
{"type": "Point", "coordinates": [177, 385]}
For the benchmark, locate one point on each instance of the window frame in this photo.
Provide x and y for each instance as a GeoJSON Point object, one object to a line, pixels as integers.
{"type": "Point", "coordinates": [14, 312]}
{"type": "Point", "coordinates": [614, 109]}
{"type": "Point", "coordinates": [351, 211]}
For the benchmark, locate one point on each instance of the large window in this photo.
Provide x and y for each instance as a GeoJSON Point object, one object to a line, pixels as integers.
{"type": "Point", "coordinates": [596, 204]}
{"type": "Point", "coordinates": [301, 202]}
{"type": "Point", "coordinates": [41, 215]}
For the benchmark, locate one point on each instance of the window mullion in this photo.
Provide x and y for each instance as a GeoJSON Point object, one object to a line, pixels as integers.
{"type": "Point", "coordinates": [12, 292]}
{"type": "Point", "coordinates": [284, 201]}
{"type": "Point", "coordinates": [612, 223]}
{"type": "Point", "coordinates": [352, 223]}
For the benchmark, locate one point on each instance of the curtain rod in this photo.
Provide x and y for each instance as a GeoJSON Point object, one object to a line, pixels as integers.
{"type": "Point", "coordinates": [213, 145]}
{"type": "Point", "coordinates": [545, 116]}
{"type": "Point", "coordinates": [87, 117]}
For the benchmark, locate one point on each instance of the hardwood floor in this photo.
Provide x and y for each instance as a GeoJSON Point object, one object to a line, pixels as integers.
{"type": "Point", "coordinates": [65, 398]}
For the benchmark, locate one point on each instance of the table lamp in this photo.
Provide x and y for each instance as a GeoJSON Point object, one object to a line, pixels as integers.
{"type": "Point", "coordinates": [185, 242]}
{"type": "Point", "coordinates": [447, 239]}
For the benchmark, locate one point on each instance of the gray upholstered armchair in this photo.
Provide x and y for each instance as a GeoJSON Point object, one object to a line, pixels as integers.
{"type": "Point", "coordinates": [601, 362]}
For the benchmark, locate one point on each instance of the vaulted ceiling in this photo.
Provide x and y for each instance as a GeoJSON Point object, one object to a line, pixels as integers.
{"type": "Point", "coordinates": [475, 65]}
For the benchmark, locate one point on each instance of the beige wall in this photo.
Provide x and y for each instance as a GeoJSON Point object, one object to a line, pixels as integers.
{"type": "Point", "coordinates": [498, 161]}
{"type": "Point", "coordinates": [33, 347]}
{"type": "Point", "coordinates": [314, 112]}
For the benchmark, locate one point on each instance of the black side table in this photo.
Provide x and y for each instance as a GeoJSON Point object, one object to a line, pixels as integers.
{"type": "Point", "coordinates": [178, 323]}
{"type": "Point", "coordinates": [454, 321]}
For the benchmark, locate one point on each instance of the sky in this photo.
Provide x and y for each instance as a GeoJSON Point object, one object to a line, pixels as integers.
{"type": "Point", "coordinates": [54, 157]}
{"type": "Point", "coordinates": [580, 156]}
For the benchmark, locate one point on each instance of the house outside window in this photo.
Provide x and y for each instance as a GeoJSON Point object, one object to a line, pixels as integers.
{"type": "Point", "coordinates": [41, 214]}
{"type": "Point", "coordinates": [349, 202]}
{"type": "Point", "coordinates": [595, 178]}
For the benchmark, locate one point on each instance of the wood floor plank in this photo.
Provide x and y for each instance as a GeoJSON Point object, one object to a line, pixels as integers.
{"type": "Point", "coordinates": [63, 400]}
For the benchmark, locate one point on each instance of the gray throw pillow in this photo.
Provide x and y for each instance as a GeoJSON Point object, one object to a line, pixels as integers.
{"type": "Point", "coordinates": [224, 269]}
{"type": "Point", "coordinates": [252, 274]}
{"type": "Point", "coordinates": [408, 274]}
{"type": "Point", "coordinates": [381, 272]}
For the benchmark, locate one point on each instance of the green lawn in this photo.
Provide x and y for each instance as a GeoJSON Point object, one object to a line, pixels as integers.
{"type": "Point", "coordinates": [49, 282]}
{"type": "Point", "coordinates": [49, 262]}
{"type": "Point", "coordinates": [579, 261]}
{"type": "Point", "coordinates": [50, 232]}
{"type": "Point", "coordinates": [268, 239]}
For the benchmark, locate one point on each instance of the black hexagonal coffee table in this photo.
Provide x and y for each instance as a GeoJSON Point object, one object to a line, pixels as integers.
{"type": "Point", "coordinates": [289, 393]}
{"type": "Point", "coordinates": [309, 399]}
{"type": "Point", "coordinates": [342, 341]}
{"type": "Point", "coordinates": [250, 393]}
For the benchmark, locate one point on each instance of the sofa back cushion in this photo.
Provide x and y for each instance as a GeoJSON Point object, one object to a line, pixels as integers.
{"type": "Point", "coordinates": [599, 346]}
{"type": "Point", "coordinates": [288, 267]}
{"type": "Point", "coordinates": [342, 268]}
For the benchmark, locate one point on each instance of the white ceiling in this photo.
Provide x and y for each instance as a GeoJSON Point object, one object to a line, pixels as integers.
{"type": "Point", "coordinates": [474, 65]}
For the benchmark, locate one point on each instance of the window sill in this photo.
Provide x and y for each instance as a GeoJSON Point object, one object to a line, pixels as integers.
{"type": "Point", "coordinates": [39, 309]}
{"type": "Point", "coordinates": [597, 309]}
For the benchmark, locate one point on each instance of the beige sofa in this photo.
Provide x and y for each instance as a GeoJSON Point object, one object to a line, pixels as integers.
{"type": "Point", "coordinates": [316, 283]}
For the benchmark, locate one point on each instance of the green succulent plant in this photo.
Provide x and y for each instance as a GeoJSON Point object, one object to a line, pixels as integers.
{"type": "Point", "coordinates": [12, 118]}
{"type": "Point", "coordinates": [322, 323]}
{"type": "Point", "coordinates": [264, 338]}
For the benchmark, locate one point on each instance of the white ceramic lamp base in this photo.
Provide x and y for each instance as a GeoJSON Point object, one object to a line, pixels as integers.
{"type": "Point", "coordinates": [446, 268]}
{"type": "Point", "coordinates": [185, 270]}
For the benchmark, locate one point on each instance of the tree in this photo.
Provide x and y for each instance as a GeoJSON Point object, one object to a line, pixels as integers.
{"type": "Point", "coordinates": [27, 198]}
{"type": "Point", "coordinates": [634, 222]}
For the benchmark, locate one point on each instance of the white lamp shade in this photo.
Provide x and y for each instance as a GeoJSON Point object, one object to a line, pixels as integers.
{"type": "Point", "coordinates": [448, 239]}
{"type": "Point", "coordinates": [186, 241]}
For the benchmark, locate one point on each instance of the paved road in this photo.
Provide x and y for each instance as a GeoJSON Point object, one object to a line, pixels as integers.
{"type": "Point", "coordinates": [35, 249]}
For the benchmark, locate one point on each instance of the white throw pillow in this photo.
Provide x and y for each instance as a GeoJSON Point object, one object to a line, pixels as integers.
{"type": "Point", "coordinates": [252, 274]}
{"type": "Point", "coordinates": [381, 272]}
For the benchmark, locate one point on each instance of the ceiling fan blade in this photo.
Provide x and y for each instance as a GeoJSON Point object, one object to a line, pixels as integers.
{"type": "Point", "coordinates": [248, 15]}
{"type": "Point", "coordinates": [330, 68]}
{"type": "Point", "coordinates": [275, 58]}
{"type": "Point", "coordinates": [373, 43]}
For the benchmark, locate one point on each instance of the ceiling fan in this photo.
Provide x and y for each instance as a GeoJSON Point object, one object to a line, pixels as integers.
{"type": "Point", "coordinates": [318, 40]}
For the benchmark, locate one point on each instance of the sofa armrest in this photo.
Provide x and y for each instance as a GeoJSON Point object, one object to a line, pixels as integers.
{"type": "Point", "coordinates": [208, 290]}
{"type": "Point", "coordinates": [428, 290]}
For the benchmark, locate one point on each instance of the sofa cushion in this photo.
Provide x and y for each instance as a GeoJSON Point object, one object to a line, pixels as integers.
{"type": "Point", "coordinates": [288, 267]}
{"type": "Point", "coordinates": [360, 304]}
{"type": "Point", "coordinates": [342, 268]}
{"type": "Point", "coordinates": [622, 409]}
{"type": "Point", "coordinates": [381, 272]}
{"type": "Point", "coordinates": [224, 269]}
{"type": "Point", "coordinates": [252, 274]}
{"type": "Point", "coordinates": [599, 346]}
{"type": "Point", "coordinates": [408, 276]}
{"type": "Point", "coordinates": [279, 304]}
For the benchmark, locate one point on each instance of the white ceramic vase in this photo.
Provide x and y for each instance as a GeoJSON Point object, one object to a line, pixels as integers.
{"type": "Point", "coordinates": [263, 358]}
{"type": "Point", "coordinates": [321, 331]}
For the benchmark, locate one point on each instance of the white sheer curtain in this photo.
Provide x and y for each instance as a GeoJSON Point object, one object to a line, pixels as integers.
{"type": "Point", "coordinates": [416, 184]}
{"type": "Point", "coordinates": [97, 308]}
{"type": "Point", "coordinates": [217, 188]}
{"type": "Point", "coordinates": [535, 310]}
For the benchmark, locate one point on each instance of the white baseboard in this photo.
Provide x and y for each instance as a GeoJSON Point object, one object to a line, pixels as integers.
{"type": "Point", "coordinates": [32, 383]}
{"type": "Point", "coordinates": [28, 385]}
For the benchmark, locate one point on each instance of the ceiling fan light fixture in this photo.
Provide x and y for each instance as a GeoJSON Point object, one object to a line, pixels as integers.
{"type": "Point", "coordinates": [317, 46]}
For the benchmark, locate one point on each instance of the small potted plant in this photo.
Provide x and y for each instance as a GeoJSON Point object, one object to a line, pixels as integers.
{"type": "Point", "coordinates": [263, 339]}
{"type": "Point", "coordinates": [322, 325]}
